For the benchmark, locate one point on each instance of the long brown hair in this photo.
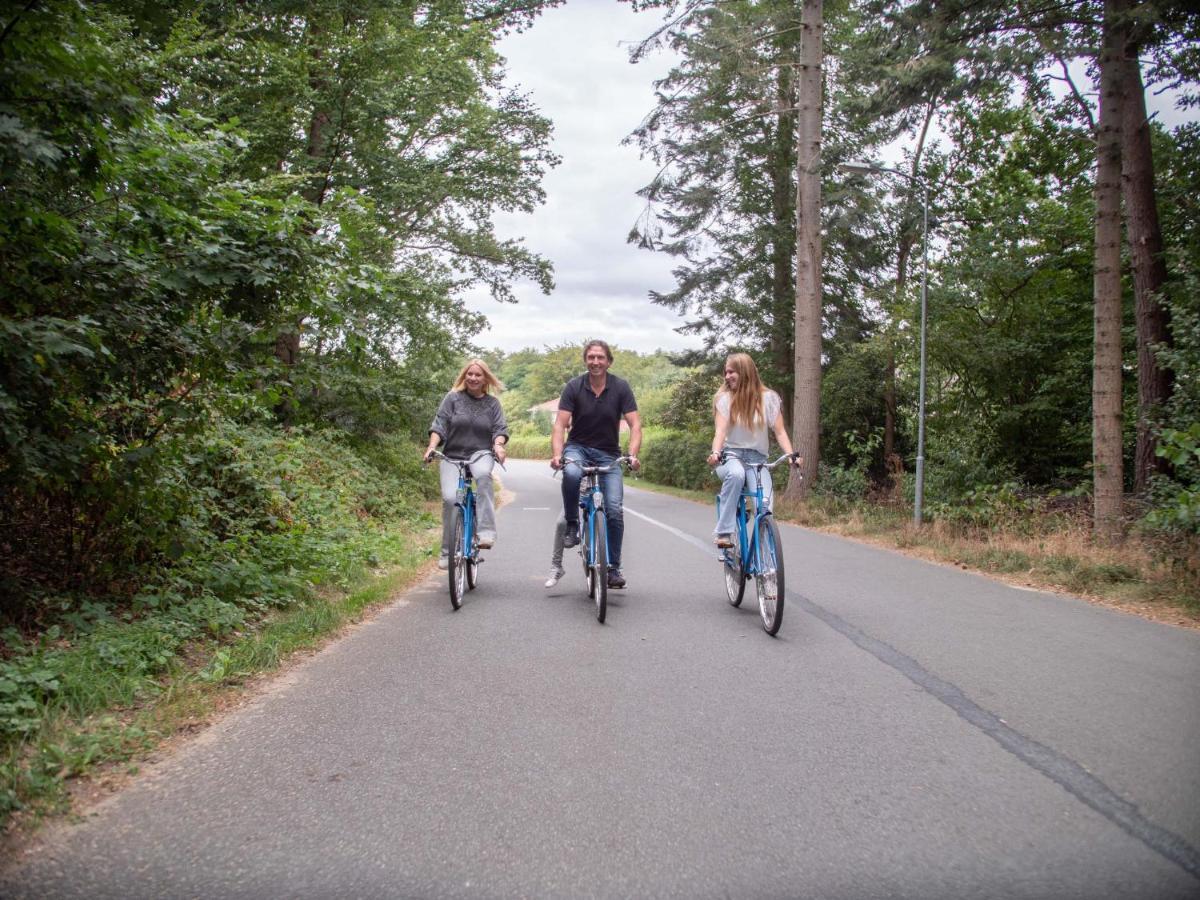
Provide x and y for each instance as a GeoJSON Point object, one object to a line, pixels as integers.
{"type": "Point", "coordinates": [746, 400]}
{"type": "Point", "coordinates": [489, 380]}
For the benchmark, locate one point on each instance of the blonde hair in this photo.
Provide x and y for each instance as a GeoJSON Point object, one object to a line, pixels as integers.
{"type": "Point", "coordinates": [746, 400]}
{"type": "Point", "coordinates": [489, 380]}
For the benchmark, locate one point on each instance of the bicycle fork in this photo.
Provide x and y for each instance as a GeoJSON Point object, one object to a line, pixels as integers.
{"type": "Point", "coordinates": [597, 503]}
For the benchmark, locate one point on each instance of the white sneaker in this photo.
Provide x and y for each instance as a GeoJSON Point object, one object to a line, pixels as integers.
{"type": "Point", "coordinates": [443, 562]}
{"type": "Point", "coordinates": [556, 573]}
{"type": "Point", "coordinates": [486, 541]}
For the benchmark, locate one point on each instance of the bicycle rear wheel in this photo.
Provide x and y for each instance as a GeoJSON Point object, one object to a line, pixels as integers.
{"type": "Point", "coordinates": [770, 578]}
{"type": "Point", "coordinates": [473, 570]}
{"type": "Point", "coordinates": [735, 579]}
{"type": "Point", "coordinates": [599, 570]}
{"type": "Point", "coordinates": [457, 568]}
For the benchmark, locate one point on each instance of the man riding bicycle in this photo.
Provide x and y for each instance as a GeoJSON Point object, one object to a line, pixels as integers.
{"type": "Point", "coordinates": [593, 404]}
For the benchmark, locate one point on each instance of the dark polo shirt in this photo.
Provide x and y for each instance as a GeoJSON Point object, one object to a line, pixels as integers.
{"type": "Point", "coordinates": [596, 421]}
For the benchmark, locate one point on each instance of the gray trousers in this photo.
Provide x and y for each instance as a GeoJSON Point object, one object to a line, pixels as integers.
{"type": "Point", "coordinates": [485, 500]}
{"type": "Point", "coordinates": [560, 528]}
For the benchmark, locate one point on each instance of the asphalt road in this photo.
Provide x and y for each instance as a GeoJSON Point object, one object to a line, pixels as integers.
{"type": "Point", "coordinates": [913, 732]}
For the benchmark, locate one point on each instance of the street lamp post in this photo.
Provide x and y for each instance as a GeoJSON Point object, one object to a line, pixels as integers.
{"type": "Point", "coordinates": [864, 168]}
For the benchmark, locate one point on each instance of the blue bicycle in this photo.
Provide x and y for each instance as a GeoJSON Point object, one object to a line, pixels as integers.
{"type": "Point", "coordinates": [593, 523]}
{"type": "Point", "coordinates": [464, 559]}
{"type": "Point", "coordinates": [758, 552]}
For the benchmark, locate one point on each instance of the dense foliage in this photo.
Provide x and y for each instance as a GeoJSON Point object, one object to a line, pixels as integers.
{"type": "Point", "coordinates": [985, 111]}
{"type": "Point", "coordinates": [235, 241]}
{"type": "Point", "coordinates": [218, 218]}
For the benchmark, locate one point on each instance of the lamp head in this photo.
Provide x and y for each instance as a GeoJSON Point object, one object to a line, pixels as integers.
{"type": "Point", "coordinates": [860, 168]}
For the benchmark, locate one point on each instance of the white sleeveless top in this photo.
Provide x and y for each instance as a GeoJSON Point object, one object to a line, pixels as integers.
{"type": "Point", "coordinates": [742, 437]}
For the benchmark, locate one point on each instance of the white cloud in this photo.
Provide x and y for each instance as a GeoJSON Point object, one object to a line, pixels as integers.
{"type": "Point", "coordinates": [574, 62]}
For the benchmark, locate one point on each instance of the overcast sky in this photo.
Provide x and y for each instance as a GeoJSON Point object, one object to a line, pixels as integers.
{"type": "Point", "coordinates": [575, 63]}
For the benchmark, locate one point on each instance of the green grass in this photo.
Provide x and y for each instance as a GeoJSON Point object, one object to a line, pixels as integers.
{"type": "Point", "coordinates": [124, 688]}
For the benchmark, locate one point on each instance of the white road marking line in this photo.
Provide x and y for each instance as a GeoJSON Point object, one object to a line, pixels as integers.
{"type": "Point", "coordinates": [691, 539]}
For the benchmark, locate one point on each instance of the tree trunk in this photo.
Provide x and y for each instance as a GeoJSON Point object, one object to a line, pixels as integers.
{"type": "Point", "coordinates": [806, 422]}
{"type": "Point", "coordinates": [783, 298]}
{"type": "Point", "coordinates": [287, 341]}
{"type": "Point", "coordinates": [1107, 471]}
{"type": "Point", "coordinates": [1149, 268]}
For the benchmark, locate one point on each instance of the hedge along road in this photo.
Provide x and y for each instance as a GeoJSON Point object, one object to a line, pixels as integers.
{"type": "Point", "coordinates": [914, 731]}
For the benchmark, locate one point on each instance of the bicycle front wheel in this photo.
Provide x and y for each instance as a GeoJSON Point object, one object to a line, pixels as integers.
{"type": "Point", "coordinates": [770, 578]}
{"type": "Point", "coordinates": [599, 569]}
{"type": "Point", "coordinates": [473, 556]}
{"type": "Point", "coordinates": [457, 568]}
{"type": "Point", "coordinates": [735, 579]}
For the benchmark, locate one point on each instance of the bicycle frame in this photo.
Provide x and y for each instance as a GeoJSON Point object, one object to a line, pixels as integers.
{"type": "Point", "coordinates": [464, 500]}
{"type": "Point", "coordinates": [749, 552]}
{"type": "Point", "coordinates": [749, 559]}
{"type": "Point", "coordinates": [593, 546]}
{"type": "Point", "coordinates": [464, 559]}
{"type": "Point", "coordinates": [591, 498]}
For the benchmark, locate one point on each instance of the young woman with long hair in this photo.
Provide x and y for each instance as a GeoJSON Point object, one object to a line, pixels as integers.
{"type": "Point", "coordinates": [469, 422]}
{"type": "Point", "coordinates": [744, 412]}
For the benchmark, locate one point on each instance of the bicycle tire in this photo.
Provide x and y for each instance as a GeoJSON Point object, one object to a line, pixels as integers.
{"type": "Point", "coordinates": [584, 550]}
{"type": "Point", "coordinates": [473, 558]}
{"type": "Point", "coordinates": [600, 566]}
{"type": "Point", "coordinates": [457, 568]}
{"type": "Point", "coordinates": [735, 578]}
{"type": "Point", "coordinates": [770, 581]}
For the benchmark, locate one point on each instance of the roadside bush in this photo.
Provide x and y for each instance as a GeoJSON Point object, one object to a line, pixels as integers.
{"type": "Point", "coordinates": [843, 483]}
{"type": "Point", "coordinates": [677, 458]}
{"type": "Point", "coordinates": [528, 443]}
{"type": "Point", "coordinates": [259, 518]}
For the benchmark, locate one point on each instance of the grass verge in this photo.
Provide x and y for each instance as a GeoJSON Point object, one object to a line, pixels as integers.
{"type": "Point", "coordinates": [101, 718]}
{"type": "Point", "coordinates": [1141, 576]}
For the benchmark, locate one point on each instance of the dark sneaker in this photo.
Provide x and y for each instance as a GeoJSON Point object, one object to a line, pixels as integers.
{"type": "Point", "coordinates": [571, 536]}
{"type": "Point", "coordinates": [615, 578]}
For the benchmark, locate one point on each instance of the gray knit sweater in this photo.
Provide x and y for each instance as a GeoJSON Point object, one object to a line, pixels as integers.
{"type": "Point", "coordinates": [468, 424]}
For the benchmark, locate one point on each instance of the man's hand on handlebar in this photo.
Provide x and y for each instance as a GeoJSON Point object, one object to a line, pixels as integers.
{"type": "Point", "coordinates": [556, 463]}
{"type": "Point", "coordinates": [634, 463]}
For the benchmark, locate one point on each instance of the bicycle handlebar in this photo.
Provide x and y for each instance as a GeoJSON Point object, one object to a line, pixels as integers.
{"type": "Point", "coordinates": [623, 460]}
{"type": "Point", "coordinates": [761, 465]}
{"type": "Point", "coordinates": [466, 462]}
{"type": "Point", "coordinates": [619, 461]}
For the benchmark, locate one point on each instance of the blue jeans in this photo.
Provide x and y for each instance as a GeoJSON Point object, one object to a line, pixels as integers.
{"type": "Point", "coordinates": [735, 472]}
{"type": "Point", "coordinates": [611, 483]}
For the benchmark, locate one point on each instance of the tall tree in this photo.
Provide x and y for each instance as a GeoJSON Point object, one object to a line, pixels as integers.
{"type": "Point", "coordinates": [723, 200]}
{"type": "Point", "coordinates": [1107, 468]}
{"type": "Point", "coordinates": [806, 418]}
{"type": "Point", "coordinates": [1149, 267]}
